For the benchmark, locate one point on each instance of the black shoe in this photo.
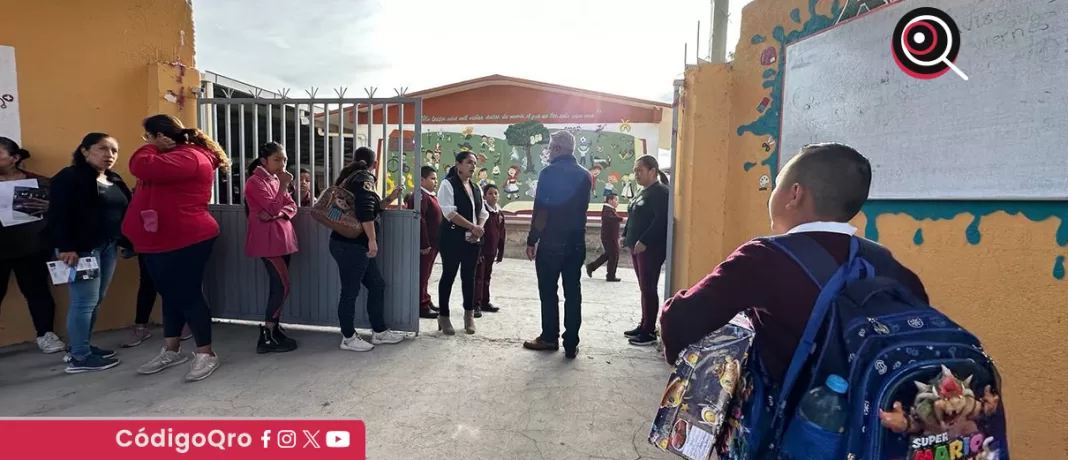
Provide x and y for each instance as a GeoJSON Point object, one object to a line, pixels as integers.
{"type": "Point", "coordinates": [589, 271]}
{"type": "Point", "coordinates": [643, 339]}
{"type": "Point", "coordinates": [489, 308]}
{"type": "Point", "coordinates": [613, 280]}
{"type": "Point", "coordinates": [478, 312]}
{"type": "Point", "coordinates": [633, 332]}
{"type": "Point", "coordinates": [570, 353]}
{"type": "Point", "coordinates": [93, 350]}
{"type": "Point", "coordinates": [274, 341]}
{"type": "Point", "coordinates": [434, 308]}
{"type": "Point", "coordinates": [428, 314]}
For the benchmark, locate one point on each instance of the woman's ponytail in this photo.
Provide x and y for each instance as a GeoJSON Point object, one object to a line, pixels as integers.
{"type": "Point", "coordinates": [197, 137]}
{"type": "Point", "coordinates": [663, 177]}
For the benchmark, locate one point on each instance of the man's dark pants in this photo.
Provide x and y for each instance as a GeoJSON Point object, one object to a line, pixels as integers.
{"type": "Point", "coordinates": [560, 262]}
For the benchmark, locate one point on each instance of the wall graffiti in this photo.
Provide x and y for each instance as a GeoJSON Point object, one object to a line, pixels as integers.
{"type": "Point", "coordinates": [765, 125]}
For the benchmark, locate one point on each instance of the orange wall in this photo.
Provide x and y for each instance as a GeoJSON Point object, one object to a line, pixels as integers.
{"type": "Point", "coordinates": [995, 267]}
{"type": "Point", "coordinates": [479, 105]}
{"type": "Point", "coordinates": [93, 66]}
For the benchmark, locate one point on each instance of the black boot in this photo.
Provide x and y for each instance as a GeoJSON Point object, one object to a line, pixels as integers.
{"type": "Point", "coordinates": [274, 341]}
{"type": "Point", "coordinates": [490, 308]}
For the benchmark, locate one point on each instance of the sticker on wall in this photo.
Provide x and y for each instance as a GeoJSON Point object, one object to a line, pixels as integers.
{"type": "Point", "coordinates": [467, 132]}
{"type": "Point", "coordinates": [628, 187]}
{"type": "Point", "coordinates": [624, 126]}
{"type": "Point", "coordinates": [768, 145]}
{"type": "Point", "coordinates": [763, 104]}
{"type": "Point", "coordinates": [532, 189]}
{"type": "Point", "coordinates": [769, 56]}
{"type": "Point", "coordinates": [765, 182]}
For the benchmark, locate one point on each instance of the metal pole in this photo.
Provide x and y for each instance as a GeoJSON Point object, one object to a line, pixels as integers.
{"type": "Point", "coordinates": [230, 148]}
{"type": "Point", "coordinates": [326, 143]}
{"type": "Point", "coordinates": [385, 144]}
{"type": "Point", "coordinates": [672, 184]}
{"type": "Point", "coordinates": [241, 145]}
{"type": "Point", "coordinates": [417, 196]}
{"type": "Point", "coordinates": [296, 145]}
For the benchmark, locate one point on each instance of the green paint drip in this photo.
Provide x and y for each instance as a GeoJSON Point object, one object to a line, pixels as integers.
{"type": "Point", "coordinates": [769, 73]}
{"type": "Point", "coordinates": [1035, 211]}
{"type": "Point", "coordinates": [917, 239]}
{"type": "Point", "coordinates": [795, 15]}
{"type": "Point", "coordinates": [757, 39]}
{"type": "Point", "coordinates": [748, 165]}
{"type": "Point", "coordinates": [1058, 268]}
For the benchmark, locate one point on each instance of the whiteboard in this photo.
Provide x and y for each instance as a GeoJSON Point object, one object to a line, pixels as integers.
{"type": "Point", "coordinates": [10, 125]}
{"type": "Point", "coordinates": [1000, 135]}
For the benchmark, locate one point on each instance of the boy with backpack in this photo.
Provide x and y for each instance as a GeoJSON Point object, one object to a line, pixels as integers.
{"type": "Point", "coordinates": [838, 318]}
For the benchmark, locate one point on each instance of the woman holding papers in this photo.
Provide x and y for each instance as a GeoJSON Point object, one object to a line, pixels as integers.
{"type": "Point", "coordinates": [170, 226]}
{"type": "Point", "coordinates": [269, 236]}
{"type": "Point", "coordinates": [23, 250]}
{"type": "Point", "coordinates": [88, 202]}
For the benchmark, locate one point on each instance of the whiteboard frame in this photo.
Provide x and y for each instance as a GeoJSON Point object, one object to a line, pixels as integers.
{"type": "Point", "coordinates": [778, 152]}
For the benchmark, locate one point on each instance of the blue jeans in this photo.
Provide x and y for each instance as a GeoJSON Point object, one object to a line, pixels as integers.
{"type": "Point", "coordinates": [85, 298]}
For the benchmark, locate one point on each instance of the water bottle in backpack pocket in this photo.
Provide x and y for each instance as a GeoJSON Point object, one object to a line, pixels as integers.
{"type": "Point", "coordinates": [816, 431]}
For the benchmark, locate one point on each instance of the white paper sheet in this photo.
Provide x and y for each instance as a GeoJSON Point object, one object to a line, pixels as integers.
{"type": "Point", "coordinates": [88, 268]}
{"type": "Point", "coordinates": [9, 216]}
{"type": "Point", "coordinates": [10, 124]}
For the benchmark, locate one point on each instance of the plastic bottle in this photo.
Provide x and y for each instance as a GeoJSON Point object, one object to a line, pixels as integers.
{"type": "Point", "coordinates": [826, 406]}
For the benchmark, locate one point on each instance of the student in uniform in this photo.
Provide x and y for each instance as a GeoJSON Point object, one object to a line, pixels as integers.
{"type": "Point", "coordinates": [429, 225]}
{"type": "Point", "coordinates": [610, 221]}
{"type": "Point", "coordinates": [465, 214]}
{"type": "Point", "coordinates": [818, 192]}
{"type": "Point", "coordinates": [491, 251]}
{"type": "Point", "coordinates": [646, 236]}
{"type": "Point", "coordinates": [355, 257]}
{"type": "Point", "coordinates": [88, 202]}
{"type": "Point", "coordinates": [269, 236]}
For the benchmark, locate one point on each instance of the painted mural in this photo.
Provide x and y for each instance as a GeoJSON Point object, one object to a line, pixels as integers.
{"type": "Point", "coordinates": [511, 156]}
{"type": "Point", "coordinates": [764, 163]}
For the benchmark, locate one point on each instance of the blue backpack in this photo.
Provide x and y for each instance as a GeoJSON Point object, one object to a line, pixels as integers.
{"type": "Point", "coordinates": [920, 386]}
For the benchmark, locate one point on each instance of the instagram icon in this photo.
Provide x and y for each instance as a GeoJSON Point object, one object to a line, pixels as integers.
{"type": "Point", "coordinates": [287, 439]}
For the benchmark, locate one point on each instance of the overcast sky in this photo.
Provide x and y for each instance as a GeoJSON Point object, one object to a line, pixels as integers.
{"type": "Point", "coordinates": [627, 47]}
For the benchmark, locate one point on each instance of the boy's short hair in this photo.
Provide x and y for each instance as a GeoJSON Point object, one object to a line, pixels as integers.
{"type": "Point", "coordinates": [836, 175]}
{"type": "Point", "coordinates": [610, 196]}
{"type": "Point", "coordinates": [426, 171]}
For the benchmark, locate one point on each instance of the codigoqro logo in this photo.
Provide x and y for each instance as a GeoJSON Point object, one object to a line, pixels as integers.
{"type": "Point", "coordinates": [925, 44]}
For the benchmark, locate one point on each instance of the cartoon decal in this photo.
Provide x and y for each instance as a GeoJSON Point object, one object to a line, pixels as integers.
{"type": "Point", "coordinates": [765, 182]}
{"type": "Point", "coordinates": [763, 105]}
{"type": "Point", "coordinates": [628, 187]}
{"type": "Point", "coordinates": [511, 185]}
{"type": "Point", "coordinates": [769, 56]}
{"type": "Point", "coordinates": [624, 126]}
{"type": "Point", "coordinates": [944, 420]}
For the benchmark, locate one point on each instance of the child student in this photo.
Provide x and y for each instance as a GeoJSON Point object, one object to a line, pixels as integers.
{"type": "Point", "coordinates": [429, 221]}
{"type": "Point", "coordinates": [610, 221]}
{"type": "Point", "coordinates": [759, 277]}
{"type": "Point", "coordinates": [492, 249]}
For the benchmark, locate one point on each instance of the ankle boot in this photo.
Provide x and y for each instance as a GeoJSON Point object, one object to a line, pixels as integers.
{"type": "Point", "coordinates": [445, 326]}
{"type": "Point", "coordinates": [469, 321]}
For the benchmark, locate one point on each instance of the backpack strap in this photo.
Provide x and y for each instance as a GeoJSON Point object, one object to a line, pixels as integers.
{"type": "Point", "coordinates": [830, 276]}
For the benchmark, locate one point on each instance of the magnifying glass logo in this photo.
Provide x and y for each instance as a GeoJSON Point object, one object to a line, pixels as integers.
{"type": "Point", "coordinates": [925, 44]}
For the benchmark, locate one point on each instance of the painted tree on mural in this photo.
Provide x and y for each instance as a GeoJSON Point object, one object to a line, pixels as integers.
{"type": "Point", "coordinates": [526, 135]}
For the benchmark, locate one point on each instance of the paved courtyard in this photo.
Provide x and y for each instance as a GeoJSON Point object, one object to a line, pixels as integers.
{"type": "Point", "coordinates": [463, 397]}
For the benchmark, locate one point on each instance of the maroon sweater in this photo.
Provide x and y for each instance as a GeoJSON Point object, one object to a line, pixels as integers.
{"type": "Point", "coordinates": [493, 239]}
{"type": "Point", "coordinates": [610, 221]}
{"type": "Point", "coordinates": [761, 277]}
{"type": "Point", "coordinates": [429, 218]}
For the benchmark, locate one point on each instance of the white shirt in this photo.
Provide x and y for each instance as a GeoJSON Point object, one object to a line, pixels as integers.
{"type": "Point", "coordinates": [428, 192]}
{"type": "Point", "coordinates": [448, 206]}
{"type": "Point", "coordinates": [830, 227]}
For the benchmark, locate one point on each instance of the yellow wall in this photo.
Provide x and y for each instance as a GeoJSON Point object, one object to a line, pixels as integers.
{"type": "Point", "coordinates": [995, 267]}
{"type": "Point", "coordinates": [94, 66]}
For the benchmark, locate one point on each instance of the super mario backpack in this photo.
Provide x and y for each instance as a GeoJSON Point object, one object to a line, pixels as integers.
{"type": "Point", "coordinates": [920, 386]}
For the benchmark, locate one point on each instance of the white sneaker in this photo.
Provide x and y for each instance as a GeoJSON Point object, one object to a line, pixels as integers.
{"type": "Point", "coordinates": [50, 343]}
{"type": "Point", "coordinates": [164, 360]}
{"type": "Point", "coordinates": [388, 337]}
{"type": "Point", "coordinates": [203, 365]}
{"type": "Point", "coordinates": [355, 343]}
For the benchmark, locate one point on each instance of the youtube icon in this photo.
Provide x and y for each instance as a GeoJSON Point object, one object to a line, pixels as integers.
{"type": "Point", "coordinates": [337, 439]}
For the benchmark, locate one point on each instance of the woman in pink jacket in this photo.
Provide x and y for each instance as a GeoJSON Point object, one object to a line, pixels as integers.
{"type": "Point", "coordinates": [269, 235]}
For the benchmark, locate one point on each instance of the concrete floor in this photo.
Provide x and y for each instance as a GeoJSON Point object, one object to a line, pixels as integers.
{"type": "Point", "coordinates": [464, 397]}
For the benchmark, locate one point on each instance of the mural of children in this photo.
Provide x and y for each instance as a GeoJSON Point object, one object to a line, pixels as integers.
{"type": "Point", "coordinates": [491, 147]}
{"type": "Point", "coordinates": [628, 187]}
{"type": "Point", "coordinates": [544, 156]}
{"type": "Point", "coordinates": [485, 142]}
{"type": "Point", "coordinates": [610, 184]}
{"type": "Point", "coordinates": [532, 188]}
{"type": "Point", "coordinates": [483, 177]}
{"type": "Point", "coordinates": [511, 185]}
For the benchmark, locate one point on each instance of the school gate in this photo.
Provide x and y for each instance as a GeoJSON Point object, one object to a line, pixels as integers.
{"type": "Point", "coordinates": [319, 135]}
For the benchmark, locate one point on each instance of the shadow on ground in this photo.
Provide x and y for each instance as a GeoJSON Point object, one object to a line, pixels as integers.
{"type": "Point", "coordinates": [464, 397]}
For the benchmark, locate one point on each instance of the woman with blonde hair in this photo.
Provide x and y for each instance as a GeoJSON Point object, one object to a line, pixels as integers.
{"type": "Point", "coordinates": [169, 224]}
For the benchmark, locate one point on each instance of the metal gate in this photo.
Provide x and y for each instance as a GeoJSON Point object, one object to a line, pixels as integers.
{"type": "Point", "coordinates": [319, 135]}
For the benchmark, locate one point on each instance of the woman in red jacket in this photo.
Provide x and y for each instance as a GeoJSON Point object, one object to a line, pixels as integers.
{"type": "Point", "coordinates": [169, 224]}
{"type": "Point", "coordinates": [269, 235]}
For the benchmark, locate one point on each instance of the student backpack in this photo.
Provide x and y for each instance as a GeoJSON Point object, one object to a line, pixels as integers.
{"type": "Point", "coordinates": [920, 385]}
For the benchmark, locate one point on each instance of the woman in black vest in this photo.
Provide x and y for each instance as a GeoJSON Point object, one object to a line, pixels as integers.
{"type": "Point", "coordinates": [465, 214]}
